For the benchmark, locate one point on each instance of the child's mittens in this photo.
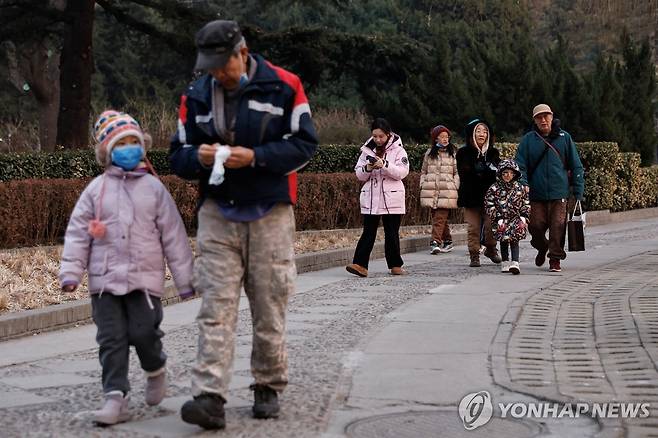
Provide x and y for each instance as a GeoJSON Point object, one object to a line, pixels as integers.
{"type": "Point", "coordinates": [217, 174]}
{"type": "Point", "coordinates": [501, 226]}
{"type": "Point", "coordinates": [186, 295]}
{"type": "Point", "coordinates": [68, 286]}
{"type": "Point", "coordinates": [96, 229]}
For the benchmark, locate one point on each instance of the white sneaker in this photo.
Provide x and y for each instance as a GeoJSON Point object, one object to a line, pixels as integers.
{"type": "Point", "coordinates": [514, 268]}
{"type": "Point", "coordinates": [504, 266]}
{"type": "Point", "coordinates": [115, 409]}
{"type": "Point", "coordinates": [446, 247]}
{"type": "Point", "coordinates": [435, 248]}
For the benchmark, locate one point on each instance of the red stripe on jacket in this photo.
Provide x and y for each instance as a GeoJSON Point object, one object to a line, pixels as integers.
{"type": "Point", "coordinates": [293, 81]}
{"type": "Point", "coordinates": [292, 187]}
{"type": "Point", "coordinates": [182, 110]}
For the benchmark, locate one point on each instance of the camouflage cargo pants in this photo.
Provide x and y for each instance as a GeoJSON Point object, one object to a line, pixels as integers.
{"type": "Point", "coordinates": [258, 255]}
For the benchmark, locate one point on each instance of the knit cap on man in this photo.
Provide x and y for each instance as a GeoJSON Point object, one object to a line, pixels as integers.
{"type": "Point", "coordinates": [111, 127]}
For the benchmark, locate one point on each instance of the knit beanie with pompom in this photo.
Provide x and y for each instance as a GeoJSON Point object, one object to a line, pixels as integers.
{"type": "Point", "coordinates": [111, 127]}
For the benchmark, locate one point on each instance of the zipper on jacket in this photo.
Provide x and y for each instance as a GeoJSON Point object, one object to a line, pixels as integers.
{"type": "Point", "coordinates": [371, 189]}
{"type": "Point", "coordinates": [384, 197]}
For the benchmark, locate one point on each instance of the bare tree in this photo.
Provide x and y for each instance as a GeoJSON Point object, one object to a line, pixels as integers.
{"type": "Point", "coordinates": [35, 68]}
{"type": "Point", "coordinates": [49, 47]}
{"type": "Point", "coordinates": [76, 68]}
{"type": "Point", "coordinates": [33, 59]}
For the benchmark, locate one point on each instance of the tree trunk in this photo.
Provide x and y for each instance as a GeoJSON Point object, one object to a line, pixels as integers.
{"type": "Point", "coordinates": [35, 68]}
{"type": "Point", "coordinates": [76, 67]}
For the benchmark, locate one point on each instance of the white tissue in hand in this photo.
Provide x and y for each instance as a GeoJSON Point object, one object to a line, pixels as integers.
{"type": "Point", "coordinates": [217, 175]}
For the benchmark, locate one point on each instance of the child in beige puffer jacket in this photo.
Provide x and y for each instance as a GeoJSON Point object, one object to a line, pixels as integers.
{"type": "Point", "coordinates": [124, 225]}
{"type": "Point", "coordinates": [439, 182]}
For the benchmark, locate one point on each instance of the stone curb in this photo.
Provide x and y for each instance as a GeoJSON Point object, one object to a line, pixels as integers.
{"type": "Point", "coordinates": [59, 316]}
{"type": "Point", "coordinates": [65, 315]}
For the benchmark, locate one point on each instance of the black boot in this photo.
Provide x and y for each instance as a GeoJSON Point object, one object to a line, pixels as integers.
{"type": "Point", "coordinates": [266, 402]}
{"type": "Point", "coordinates": [206, 410]}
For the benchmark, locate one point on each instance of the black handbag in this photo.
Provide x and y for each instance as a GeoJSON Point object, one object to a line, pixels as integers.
{"type": "Point", "coordinates": [576, 228]}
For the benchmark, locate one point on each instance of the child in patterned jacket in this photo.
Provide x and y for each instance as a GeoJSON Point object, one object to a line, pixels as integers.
{"type": "Point", "coordinates": [507, 203]}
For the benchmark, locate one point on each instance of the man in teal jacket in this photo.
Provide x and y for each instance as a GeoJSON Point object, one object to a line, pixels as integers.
{"type": "Point", "coordinates": [550, 167]}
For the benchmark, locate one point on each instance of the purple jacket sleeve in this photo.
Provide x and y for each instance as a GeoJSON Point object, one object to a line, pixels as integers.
{"type": "Point", "coordinates": [175, 243]}
{"type": "Point", "coordinates": [77, 240]}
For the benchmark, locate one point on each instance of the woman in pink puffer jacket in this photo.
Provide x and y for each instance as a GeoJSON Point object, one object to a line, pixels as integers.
{"type": "Point", "coordinates": [382, 166]}
{"type": "Point", "coordinates": [124, 225]}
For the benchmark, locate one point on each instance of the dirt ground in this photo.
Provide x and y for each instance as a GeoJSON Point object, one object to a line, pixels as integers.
{"type": "Point", "coordinates": [28, 276]}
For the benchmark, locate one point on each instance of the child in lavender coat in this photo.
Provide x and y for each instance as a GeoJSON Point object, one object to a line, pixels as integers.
{"type": "Point", "coordinates": [124, 225]}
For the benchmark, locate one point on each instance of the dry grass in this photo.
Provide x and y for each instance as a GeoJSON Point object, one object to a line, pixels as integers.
{"type": "Point", "coordinates": [28, 276]}
{"type": "Point", "coordinates": [19, 136]}
{"type": "Point", "coordinates": [157, 118]}
{"type": "Point", "coordinates": [336, 126]}
{"type": "Point", "coordinates": [28, 279]}
{"type": "Point", "coordinates": [341, 126]}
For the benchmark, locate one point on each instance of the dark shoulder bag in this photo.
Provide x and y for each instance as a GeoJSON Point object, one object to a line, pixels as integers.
{"type": "Point", "coordinates": [564, 163]}
{"type": "Point", "coordinates": [532, 168]}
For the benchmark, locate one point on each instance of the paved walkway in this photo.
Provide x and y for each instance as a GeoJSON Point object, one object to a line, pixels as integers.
{"type": "Point", "coordinates": [393, 356]}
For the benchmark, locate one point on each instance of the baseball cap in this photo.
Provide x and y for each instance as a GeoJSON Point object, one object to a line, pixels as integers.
{"type": "Point", "coordinates": [540, 109]}
{"type": "Point", "coordinates": [215, 42]}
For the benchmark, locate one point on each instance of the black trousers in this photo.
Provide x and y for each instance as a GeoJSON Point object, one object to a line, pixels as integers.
{"type": "Point", "coordinates": [504, 250]}
{"type": "Point", "coordinates": [122, 321]}
{"type": "Point", "coordinates": [391, 240]}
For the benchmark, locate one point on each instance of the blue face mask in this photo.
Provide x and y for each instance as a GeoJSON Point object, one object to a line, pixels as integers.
{"type": "Point", "coordinates": [244, 80]}
{"type": "Point", "coordinates": [127, 157]}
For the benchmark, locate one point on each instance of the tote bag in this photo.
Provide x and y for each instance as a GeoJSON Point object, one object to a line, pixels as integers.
{"type": "Point", "coordinates": [576, 228]}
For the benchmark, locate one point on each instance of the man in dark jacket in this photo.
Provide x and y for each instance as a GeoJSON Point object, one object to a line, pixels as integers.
{"type": "Point", "coordinates": [550, 166]}
{"type": "Point", "coordinates": [244, 129]}
{"type": "Point", "coordinates": [477, 164]}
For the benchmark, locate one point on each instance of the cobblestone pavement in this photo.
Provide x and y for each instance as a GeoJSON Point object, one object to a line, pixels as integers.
{"type": "Point", "coordinates": [55, 395]}
{"type": "Point", "coordinates": [327, 324]}
{"type": "Point", "coordinates": [590, 338]}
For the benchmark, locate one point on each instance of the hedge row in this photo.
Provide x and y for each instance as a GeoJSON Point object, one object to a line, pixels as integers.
{"type": "Point", "coordinates": [65, 164]}
{"type": "Point", "coordinates": [82, 163]}
{"type": "Point", "coordinates": [35, 212]}
{"type": "Point", "coordinates": [329, 159]}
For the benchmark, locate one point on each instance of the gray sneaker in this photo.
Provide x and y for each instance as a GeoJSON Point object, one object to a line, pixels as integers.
{"type": "Point", "coordinates": [447, 246]}
{"type": "Point", "coordinates": [156, 386]}
{"type": "Point", "coordinates": [115, 409]}
{"type": "Point", "coordinates": [435, 248]}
